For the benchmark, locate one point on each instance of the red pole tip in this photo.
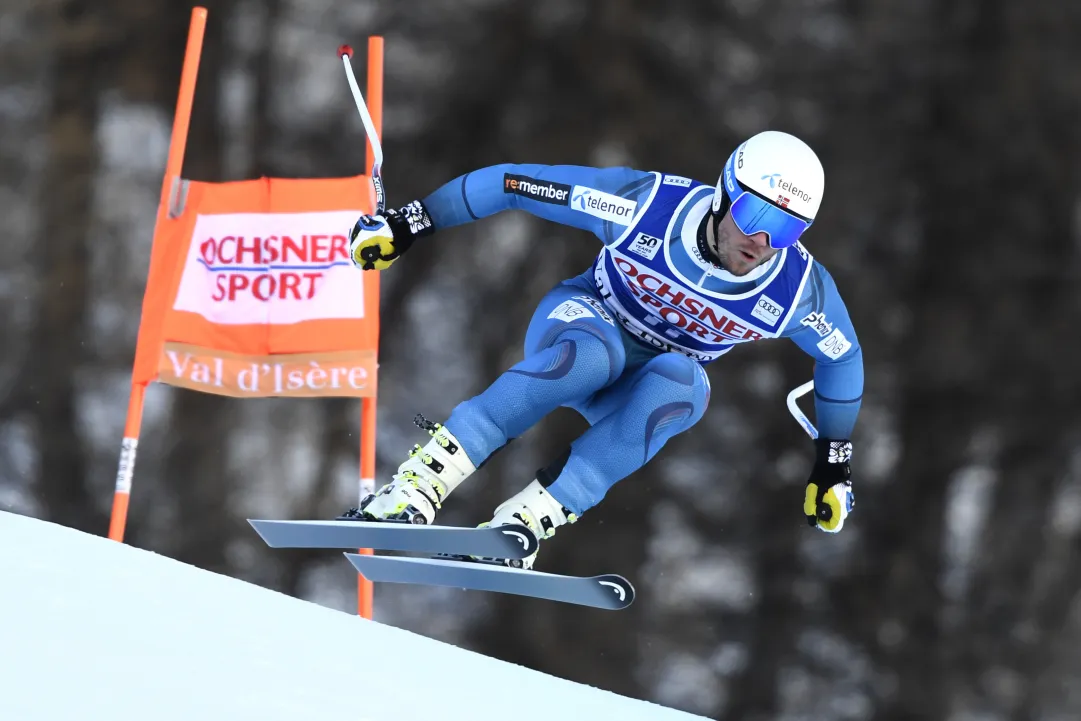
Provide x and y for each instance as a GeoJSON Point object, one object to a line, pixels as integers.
{"type": "Point", "coordinates": [345, 51]}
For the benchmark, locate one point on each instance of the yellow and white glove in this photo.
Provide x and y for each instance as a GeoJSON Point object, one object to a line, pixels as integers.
{"type": "Point", "coordinates": [828, 499]}
{"type": "Point", "coordinates": [376, 241]}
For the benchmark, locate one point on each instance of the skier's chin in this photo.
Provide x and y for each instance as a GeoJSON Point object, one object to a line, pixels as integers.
{"type": "Point", "coordinates": [742, 265]}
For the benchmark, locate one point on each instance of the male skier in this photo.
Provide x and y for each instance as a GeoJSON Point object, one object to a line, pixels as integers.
{"type": "Point", "coordinates": [686, 271]}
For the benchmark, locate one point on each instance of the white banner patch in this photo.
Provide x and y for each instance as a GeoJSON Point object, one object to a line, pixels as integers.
{"type": "Point", "coordinates": [767, 310]}
{"type": "Point", "coordinates": [603, 205]}
{"type": "Point", "coordinates": [818, 322]}
{"type": "Point", "coordinates": [597, 306]}
{"type": "Point", "coordinates": [645, 246]}
{"type": "Point", "coordinates": [835, 344]}
{"type": "Point", "coordinates": [258, 268]}
{"type": "Point", "coordinates": [677, 180]}
{"type": "Point", "coordinates": [570, 310]}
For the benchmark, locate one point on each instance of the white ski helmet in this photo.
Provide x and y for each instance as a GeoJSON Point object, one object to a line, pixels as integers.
{"type": "Point", "coordinates": [773, 183]}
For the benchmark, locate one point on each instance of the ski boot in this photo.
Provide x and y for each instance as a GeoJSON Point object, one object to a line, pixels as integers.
{"type": "Point", "coordinates": [422, 482]}
{"type": "Point", "coordinates": [535, 508]}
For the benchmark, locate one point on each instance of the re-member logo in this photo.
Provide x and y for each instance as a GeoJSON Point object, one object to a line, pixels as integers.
{"type": "Point", "coordinates": [545, 191]}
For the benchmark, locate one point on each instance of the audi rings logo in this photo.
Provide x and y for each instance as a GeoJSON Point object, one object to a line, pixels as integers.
{"type": "Point", "coordinates": [766, 305]}
{"type": "Point", "coordinates": [767, 310]}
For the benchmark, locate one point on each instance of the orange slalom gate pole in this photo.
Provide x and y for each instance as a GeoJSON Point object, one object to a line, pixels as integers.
{"type": "Point", "coordinates": [367, 485]}
{"type": "Point", "coordinates": [368, 405]}
{"type": "Point", "coordinates": [173, 167]}
{"type": "Point", "coordinates": [126, 467]}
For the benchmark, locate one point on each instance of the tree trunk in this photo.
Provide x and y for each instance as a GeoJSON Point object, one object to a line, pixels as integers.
{"type": "Point", "coordinates": [51, 376]}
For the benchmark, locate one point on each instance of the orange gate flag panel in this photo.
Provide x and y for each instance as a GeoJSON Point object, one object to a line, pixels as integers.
{"type": "Point", "coordinates": [251, 291]}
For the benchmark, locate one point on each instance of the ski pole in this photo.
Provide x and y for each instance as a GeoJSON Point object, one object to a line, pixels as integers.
{"type": "Point", "coordinates": [794, 409]}
{"type": "Point", "coordinates": [346, 52]}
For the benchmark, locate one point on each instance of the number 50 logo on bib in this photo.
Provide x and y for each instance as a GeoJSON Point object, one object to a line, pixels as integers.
{"type": "Point", "coordinates": [645, 246]}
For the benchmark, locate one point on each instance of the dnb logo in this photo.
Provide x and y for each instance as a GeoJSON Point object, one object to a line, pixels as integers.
{"type": "Point", "coordinates": [248, 268]}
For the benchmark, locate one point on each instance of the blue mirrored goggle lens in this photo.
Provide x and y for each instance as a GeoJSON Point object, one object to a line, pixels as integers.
{"type": "Point", "coordinates": [753, 214]}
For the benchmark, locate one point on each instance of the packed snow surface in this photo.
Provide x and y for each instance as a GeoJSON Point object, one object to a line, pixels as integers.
{"type": "Point", "coordinates": [96, 630]}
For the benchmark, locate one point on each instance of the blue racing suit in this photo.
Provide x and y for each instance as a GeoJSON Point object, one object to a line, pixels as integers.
{"type": "Point", "coordinates": [624, 343]}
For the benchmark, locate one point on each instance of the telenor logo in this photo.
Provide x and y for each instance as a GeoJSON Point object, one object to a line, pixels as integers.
{"type": "Point", "coordinates": [543, 190]}
{"type": "Point", "coordinates": [775, 181]}
{"type": "Point", "coordinates": [603, 205]}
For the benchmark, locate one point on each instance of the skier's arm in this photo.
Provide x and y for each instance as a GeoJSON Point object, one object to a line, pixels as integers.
{"type": "Point", "coordinates": [603, 201]}
{"type": "Point", "coordinates": [600, 200]}
{"type": "Point", "coordinates": [822, 328]}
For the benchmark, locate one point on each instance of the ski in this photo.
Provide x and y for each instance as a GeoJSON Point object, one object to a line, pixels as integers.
{"type": "Point", "coordinates": [496, 542]}
{"type": "Point", "coordinates": [608, 591]}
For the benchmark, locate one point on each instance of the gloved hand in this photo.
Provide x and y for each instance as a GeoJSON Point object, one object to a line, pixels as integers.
{"type": "Point", "coordinates": [376, 241]}
{"type": "Point", "coordinates": [829, 498]}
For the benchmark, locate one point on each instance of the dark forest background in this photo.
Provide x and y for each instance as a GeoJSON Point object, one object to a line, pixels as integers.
{"type": "Point", "coordinates": [950, 134]}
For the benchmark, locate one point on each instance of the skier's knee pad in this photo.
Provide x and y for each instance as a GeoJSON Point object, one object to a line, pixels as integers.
{"type": "Point", "coordinates": [598, 360]}
{"type": "Point", "coordinates": [674, 382]}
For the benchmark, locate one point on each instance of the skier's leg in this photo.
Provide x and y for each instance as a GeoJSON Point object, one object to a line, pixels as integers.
{"type": "Point", "coordinates": [664, 397]}
{"type": "Point", "coordinates": [572, 350]}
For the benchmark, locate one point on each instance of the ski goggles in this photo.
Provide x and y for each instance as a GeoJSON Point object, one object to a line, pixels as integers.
{"type": "Point", "coordinates": [753, 213]}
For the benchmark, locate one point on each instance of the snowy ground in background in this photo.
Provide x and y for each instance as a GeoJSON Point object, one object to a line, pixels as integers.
{"type": "Point", "coordinates": [91, 629]}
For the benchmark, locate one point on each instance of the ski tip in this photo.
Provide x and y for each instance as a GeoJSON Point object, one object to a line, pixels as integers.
{"type": "Point", "coordinates": [617, 592]}
{"type": "Point", "coordinates": [521, 541]}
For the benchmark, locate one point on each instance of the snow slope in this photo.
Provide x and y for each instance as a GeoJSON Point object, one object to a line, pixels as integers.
{"type": "Point", "coordinates": [91, 629]}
